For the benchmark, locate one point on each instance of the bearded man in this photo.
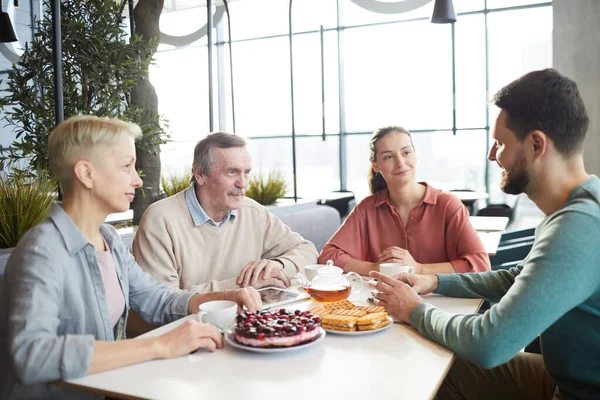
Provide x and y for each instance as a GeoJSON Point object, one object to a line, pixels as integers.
{"type": "Point", "coordinates": [555, 292]}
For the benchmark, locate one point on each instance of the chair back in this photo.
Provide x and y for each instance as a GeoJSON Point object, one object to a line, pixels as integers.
{"type": "Point", "coordinates": [497, 210]}
{"type": "Point", "coordinates": [510, 253]}
{"type": "Point", "coordinates": [517, 234]}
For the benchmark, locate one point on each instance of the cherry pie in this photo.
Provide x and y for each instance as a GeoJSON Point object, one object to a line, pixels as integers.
{"type": "Point", "coordinates": [277, 328]}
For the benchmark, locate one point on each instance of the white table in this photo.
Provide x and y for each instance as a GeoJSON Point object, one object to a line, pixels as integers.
{"type": "Point", "coordinates": [119, 217]}
{"type": "Point", "coordinates": [469, 196]}
{"type": "Point", "coordinates": [396, 363]}
{"type": "Point", "coordinates": [489, 224]}
{"type": "Point", "coordinates": [490, 240]}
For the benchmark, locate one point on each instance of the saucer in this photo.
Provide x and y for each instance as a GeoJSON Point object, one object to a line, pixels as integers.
{"type": "Point", "coordinates": [230, 339]}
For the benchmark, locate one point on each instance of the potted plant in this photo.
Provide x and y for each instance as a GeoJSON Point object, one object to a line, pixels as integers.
{"type": "Point", "coordinates": [101, 66]}
{"type": "Point", "coordinates": [173, 184]}
{"type": "Point", "coordinates": [24, 201]}
{"type": "Point", "coordinates": [267, 189]}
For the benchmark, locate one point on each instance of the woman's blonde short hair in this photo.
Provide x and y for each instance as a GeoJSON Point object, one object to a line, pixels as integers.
{"type": "Point", "coordinates": [78, 137]}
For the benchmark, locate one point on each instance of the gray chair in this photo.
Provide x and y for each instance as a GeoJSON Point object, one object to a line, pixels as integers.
{"type": "Point", "coordinates": [316, 223]}
{"type": "Point", "coordinates": [517, 235]}
{"type": "Point", "coordinates": [4, 254]}
{"type": "Point", "coordinates": [127, 235]}
{"type": "Point", "coordinates": [510, 253]}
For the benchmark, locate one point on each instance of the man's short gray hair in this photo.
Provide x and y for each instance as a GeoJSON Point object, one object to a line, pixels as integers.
{"type": "Point", "coordinates": [204, 157]}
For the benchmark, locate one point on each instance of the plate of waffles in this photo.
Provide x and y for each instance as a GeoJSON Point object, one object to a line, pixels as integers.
{"type": "Point", "coordinates": [346, 318]}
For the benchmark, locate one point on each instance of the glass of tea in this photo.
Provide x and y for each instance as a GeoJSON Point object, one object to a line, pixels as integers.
{"type": "Point", "coordinates": [331, 284]}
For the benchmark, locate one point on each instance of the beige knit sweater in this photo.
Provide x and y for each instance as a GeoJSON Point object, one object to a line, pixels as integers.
{"type": "Point", "coordinates": [207, 258]}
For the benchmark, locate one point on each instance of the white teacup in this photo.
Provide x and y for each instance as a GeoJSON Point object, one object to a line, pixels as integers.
{"type": "Point", "coordinates": [390, 269]}
{"type": "Point", "coordinates": [311, 270]}
{"type": "Point", "coordinates": [220, 313]}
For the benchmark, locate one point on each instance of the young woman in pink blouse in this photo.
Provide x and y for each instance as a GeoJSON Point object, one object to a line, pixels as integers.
{"type": "Point", "coordinates": [405, 221]}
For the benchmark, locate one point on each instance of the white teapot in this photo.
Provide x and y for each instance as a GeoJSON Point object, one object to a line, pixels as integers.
{"type": "Point", "coordinates": [331, 284]}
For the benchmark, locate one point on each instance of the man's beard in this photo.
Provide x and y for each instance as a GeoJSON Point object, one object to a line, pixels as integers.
{"type": "Point", "coordinates": [517, 179]}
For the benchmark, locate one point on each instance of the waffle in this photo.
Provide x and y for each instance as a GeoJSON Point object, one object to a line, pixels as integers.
{"type": "Point", "coordinates": [321, 311]}
{"type": "Point", "coordinates": [371, 309]}
{"type": "Point", "coordinates": [374, 326]}
{"type": "Point", "coordinates": [339, 328]}
{"type": "Point", "coordinates": [354, 312]}
{"type": "Point", "coordinates": [345, 316]}
{"type": "Point", "coordinates": [344, 323]}
{"type": "Point", "coordinates": [341, 320]}
{"type": "Point", "coordinates": [371, 319]}
{"type": "Point", "coordinates": [340, 305]}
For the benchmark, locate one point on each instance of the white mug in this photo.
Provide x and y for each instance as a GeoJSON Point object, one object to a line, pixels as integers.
{"type": "Point", "coordinates": [311, 270]}
{"type": "Point", "coordinates": [220, 313]}
{"type": "Point", "coordinates": [390, 269]}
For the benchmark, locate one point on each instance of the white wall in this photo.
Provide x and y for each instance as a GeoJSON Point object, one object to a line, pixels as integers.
{"type": "Point", "coordinates": [576, 41]}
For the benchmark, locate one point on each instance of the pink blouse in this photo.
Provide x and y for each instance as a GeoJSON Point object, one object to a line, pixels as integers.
{"type": "Point", "coordinates": [438, 230]}
{"type": "Point", "coordinates": [112, 288]}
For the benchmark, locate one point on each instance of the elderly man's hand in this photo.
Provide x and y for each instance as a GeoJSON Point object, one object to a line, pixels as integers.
{"type": "Point", "coordinates": [263, 273]}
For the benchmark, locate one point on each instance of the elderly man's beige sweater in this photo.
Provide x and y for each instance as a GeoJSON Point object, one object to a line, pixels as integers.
{"type": "Point", "coordinates": [206, 258]}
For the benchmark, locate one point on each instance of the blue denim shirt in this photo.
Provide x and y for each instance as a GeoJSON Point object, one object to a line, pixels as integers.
{"type": "Point", "coordinates": [53, 306]}
{"type": "Point", "coordinates": [198, 214]}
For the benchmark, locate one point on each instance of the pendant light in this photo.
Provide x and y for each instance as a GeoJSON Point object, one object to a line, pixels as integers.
{"type": "Point", "coordinates": [7, 33]}
{"type": "Point", "coordinates": [443, 12]}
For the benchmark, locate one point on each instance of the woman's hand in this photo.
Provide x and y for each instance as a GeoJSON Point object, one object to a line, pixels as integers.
{"type": "Point", "coordinates": [248, 297]}
{"type": "Point", "coordinates": [188, 337]}
{"type": "Point", "coordinates": [399, 255]}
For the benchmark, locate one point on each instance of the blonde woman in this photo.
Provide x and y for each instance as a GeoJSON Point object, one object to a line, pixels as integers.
{"type": "Point", "coordinates": [71, 281]}
{"type": "Point", "coordinates": [405, 221]}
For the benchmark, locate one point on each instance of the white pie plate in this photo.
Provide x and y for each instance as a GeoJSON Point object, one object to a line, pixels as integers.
{"type": "Point", "coordinates": [230, 338]}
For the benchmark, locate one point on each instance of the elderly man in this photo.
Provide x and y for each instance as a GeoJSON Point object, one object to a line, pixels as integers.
{"type": "Point", "coordinates": [210, 237]}
{"type": "Point", "coordinates": [555, 292]}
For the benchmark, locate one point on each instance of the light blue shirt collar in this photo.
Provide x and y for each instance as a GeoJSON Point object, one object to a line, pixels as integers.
{"type": "Point", "coordinates": [198, 214]}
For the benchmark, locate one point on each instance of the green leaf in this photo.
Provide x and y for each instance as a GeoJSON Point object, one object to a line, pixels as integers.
{"type": "Point", "coordinates": [96, 51]}
{"type": "Point", "coordinates": [174, 184]}
{"type": "Point", "coordinates": [267, 189]}
{"type": "Point", "coordinates": [24, 201]}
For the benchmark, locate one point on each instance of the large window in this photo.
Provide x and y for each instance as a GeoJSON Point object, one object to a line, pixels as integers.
{"type": "Point", "coordinates": [526, 46]}
{"type": "Point", "coordinates": [21, 19]}
{"type": "Point", "coordinates": [441, 160]}
{"type": "Point", "coordinates": [262, 87]}
{"type": "Point", "coordinates": [398, 74]}
{"type": "Point", "coordinates": [377, 70]}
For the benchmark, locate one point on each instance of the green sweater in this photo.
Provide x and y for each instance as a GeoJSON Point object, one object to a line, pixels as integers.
{"type": "Point", "coordinates": [554, 293]}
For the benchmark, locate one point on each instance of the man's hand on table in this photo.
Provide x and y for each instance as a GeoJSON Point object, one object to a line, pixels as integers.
{"type": "Point", "coordinates": [399, 294]}
{"type": "Point", "coordinates": [422, 284]}
{"type": "Point", "coordinates": [263, 273]}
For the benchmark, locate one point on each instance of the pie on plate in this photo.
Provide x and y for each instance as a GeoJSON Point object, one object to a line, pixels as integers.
{"type": "Point", "coordinates": [277, 328]}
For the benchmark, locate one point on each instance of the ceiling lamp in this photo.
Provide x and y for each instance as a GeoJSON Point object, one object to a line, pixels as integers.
{"type": "Point", "coordinates": [443, 12]}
